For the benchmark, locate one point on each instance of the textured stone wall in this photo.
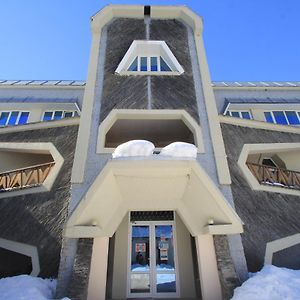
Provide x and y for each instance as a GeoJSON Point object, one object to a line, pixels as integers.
{"type": "Point", "coordinates": [227, 274]}
{"type": "Point", "coordinates": [267, 216]}
{"type": "Point", "coordinates": [78, 287]}
{"type": "Point", "coordinates": [37, 219]}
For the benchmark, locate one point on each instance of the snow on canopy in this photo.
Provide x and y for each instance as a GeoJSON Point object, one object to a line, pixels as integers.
{"type": "Point", "coordinates": [134, 148]}
{"type": "Point", "coordinates": [271, 283]}
{"type": "Point", "coordinates": [179, 149]}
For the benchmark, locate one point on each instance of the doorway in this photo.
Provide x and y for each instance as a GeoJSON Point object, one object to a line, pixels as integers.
{"type": "Point", "coordinates": [152, 260]}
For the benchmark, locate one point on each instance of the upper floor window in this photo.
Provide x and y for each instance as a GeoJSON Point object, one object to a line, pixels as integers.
{"type": "Point", "coordinates": [287, 117]}
{"type": "Point", "coordinates": [10, 118]}
{"type": "Point", "coordinates": [58, 114]}
{"type": "Point", "coordinates": [239, 114]}
{"type": "Point", "coordinates": [149, 57]}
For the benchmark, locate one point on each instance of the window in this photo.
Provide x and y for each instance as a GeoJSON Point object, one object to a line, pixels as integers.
{"type": "Point", "coordinates": [153, 57]}
{"type": "Point", "coordinates": [58, 114]}
{"type": "Point", "coordinates": [239, 114]}
{"type": "Point", "coordinates": [288, 117]}
{"type": "Point", "coordinates": [149, 64]}
{"type": "Point", "coordinates": [11, 118]}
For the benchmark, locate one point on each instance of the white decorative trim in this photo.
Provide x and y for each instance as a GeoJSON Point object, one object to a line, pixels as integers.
{"type": "Point", "coordinates": [149, 49]}
{"type": "Point", "coordinates": [278, 245]}
{"type": "Point", "coordinates": [265, 148]}
{"type": "Point", "coordinates": [154, 114]}
{"type": "Point", "coordinates": [45, 148]}
{"type": "Point", "coordinates": [24, 249]}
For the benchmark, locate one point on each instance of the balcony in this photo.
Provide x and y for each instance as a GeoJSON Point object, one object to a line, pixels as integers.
{"type": "Point", "coordinates": [23, 178]}
{"type": "Point", "coordinates": [274, 176]}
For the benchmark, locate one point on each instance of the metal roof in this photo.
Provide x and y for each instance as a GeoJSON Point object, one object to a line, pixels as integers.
{"type": "Point", "coordinates": [214, 83]}
{"type": "Point", "coordinates": [256, 83]}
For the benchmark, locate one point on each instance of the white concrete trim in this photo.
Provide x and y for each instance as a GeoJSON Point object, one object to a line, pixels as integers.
{"type": "Point", "coordinates": [259, 88]}
{"type": "Point", "coordinates": [207, 266]}
{"type": "Point", "coordinates": [153, 114]}
{"type": "Point", "coordinates": [98, 271]}
{"type": "Point", "coordinates": [259, 124]}
{"type": "Point", "coordinates": [118, 188]}
{"type": "Point", "coordinates": [41, 125]}
{"type": "Point", "coordinates": [278, 245]}
{"type": "Point", "coordinates": [149, 48]}
{"type": "Point", "coordinates": [45, 148]}
{"type": "Point", "coordinates": [24, 249]}
{"type": "Point", "coordinates": [265, 148]}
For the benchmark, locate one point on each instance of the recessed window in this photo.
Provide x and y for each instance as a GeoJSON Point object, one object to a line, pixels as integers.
{"type": "Point", "coordinates": [288, 117]}
{"type": "Point", "coordinates": [11, 118]}
{"type": "Point", "coordinates": [58, 114]}
{"type": "Point", "coordinates": [239, 114]}
{"type": "Point", "coordinates": [153, 57]}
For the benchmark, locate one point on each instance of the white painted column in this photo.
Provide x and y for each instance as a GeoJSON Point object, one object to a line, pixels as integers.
{"type": "Point", "coordinates": [208, 270]}
{"type": "Point", "coordinates": [98, 271]}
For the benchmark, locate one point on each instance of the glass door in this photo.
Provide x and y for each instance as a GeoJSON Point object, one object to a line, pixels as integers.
{"type": "Point", "coordinates": [152, 262]}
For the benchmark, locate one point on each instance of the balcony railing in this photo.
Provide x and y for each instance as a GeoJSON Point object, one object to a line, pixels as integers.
{"type": "Point", "coordinates": [273, 176]}
{"type": "Point", "coordinates": [25, 178]}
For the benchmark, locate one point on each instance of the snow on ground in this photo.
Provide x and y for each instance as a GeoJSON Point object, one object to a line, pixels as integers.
{"type": "Point", "coordinates": [271, 283]}
{"type": "Point", "coordinates": [134, 148]}
{"type": "Point", "coordinates": [25, 287]}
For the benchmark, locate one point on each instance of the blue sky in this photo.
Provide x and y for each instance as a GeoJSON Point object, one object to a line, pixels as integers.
{"type": "Point", "coordinates": [244, 39]}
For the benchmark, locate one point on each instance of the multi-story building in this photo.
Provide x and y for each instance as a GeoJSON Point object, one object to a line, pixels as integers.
{"type": "Point", "coordinates": [157, 218]}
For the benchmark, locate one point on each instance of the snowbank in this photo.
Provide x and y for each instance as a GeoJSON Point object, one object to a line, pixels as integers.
{"type": "Point", "coordinates": [271, 283]}
{"type": "Point", "coordinates": [134, 148]}
{"type": "Point", "coordinates": [179, 149]}
{"type": "Point", "coordinates": [25, 287]}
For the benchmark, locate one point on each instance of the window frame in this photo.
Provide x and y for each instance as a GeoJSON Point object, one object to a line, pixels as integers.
{"type": "Point", "coordinates": [229, 113]}
{"type": "Point", "coordinates": [17, 119]}
{"type": "Point", "coordinates": [149, 66]}
{"type": "Point", "coordinates": [74, 112]}
{"type": "Point", "coordinates": [286, 118]}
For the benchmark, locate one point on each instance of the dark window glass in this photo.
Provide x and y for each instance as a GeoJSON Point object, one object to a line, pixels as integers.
{"type": "Point", "coordinates": [235, 114]}
{"type": "Point", "coordinates": [58, 115]}
{"type": "Point", "coordinates": [68, 114]}
{"type": "Point", "coordinates": [24, 117]}
{"type": "Point", "coordinates": [47, 116]}
{"type": "Point", "coordinates": [153, 63]}
{"type": "Point", "coordinates": [292, 117]}
{"type": "Point", "coordinates": [133, 66]}
{"type": "Point", "coordinates": [269, 162]}
{"type": "Point", "coordinates": [268, 117]}
{"type": "Point", "coordinates": [163, 65]}
{"type": "Point", "coordinates": [280, 117]}
{"type": "Point", "coordinates": [143, 63]}
{"type": "Point", "coordinates": [3, 118]}
{"type": "Point", "coordinates": [13, 118]}
{"type": "Point", "coordinates": [246, 115]}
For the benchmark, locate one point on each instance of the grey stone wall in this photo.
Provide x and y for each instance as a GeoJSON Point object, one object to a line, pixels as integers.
{"type": "Point", "coordinates": [78, 287]}
{"type": "Point", "coordinates": [228, 277]}
{"type": "Point", "coordinates": [267, 216]}
{"type": "Point", "coordinates": [37, 219]}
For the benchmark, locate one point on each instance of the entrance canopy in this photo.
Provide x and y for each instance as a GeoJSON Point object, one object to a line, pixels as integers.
{"type": "Point", "coordinates": [149, 185]}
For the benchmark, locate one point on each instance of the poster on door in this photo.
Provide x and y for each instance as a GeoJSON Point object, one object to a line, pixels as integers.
{"type": "Point", "coordinates": [140, 247]}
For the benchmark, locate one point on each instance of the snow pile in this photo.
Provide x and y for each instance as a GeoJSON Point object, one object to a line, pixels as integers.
{"type": "Point", "coordinates": [25, 287]}
{"type": "Point", "coordinates": [271, 283]}
{"type": "Point", "coordinates": [179, 149]}
{"type": "Point", "coordinates": [134, 148]}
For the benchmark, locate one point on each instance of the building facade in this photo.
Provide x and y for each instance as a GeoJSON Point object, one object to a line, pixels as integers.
{"type": "Point", "coordinates": [148, 180]}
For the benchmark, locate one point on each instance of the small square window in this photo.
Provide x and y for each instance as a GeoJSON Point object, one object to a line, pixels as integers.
{"type": "Point", "coordinates": [3, 118]}
{"type": "Point", "coordinates": [58, 115]}
{"type": "Point", "coordinates": [68, 114]}
{"type": "Point", "coordinates": [143, 63]}
{"type": "Point", "coordinates": [48, 116]}
{"type": "Point", "coordinates": [235, 114]}
{"type": "Point", "coordinates": [13, 118]}
{"type": "Point", "coordinates": [268, 117]}
{"type": "Point", "coordinates": [246, 115]}
{"type": "Point", "coordinates": [280, 117]}
{"type": "Point", "coordinates": [292, 117]}
{"type": "Point", "coordinates": [154, 64]}
{"type": "Point", "coordinates": [23, 118]}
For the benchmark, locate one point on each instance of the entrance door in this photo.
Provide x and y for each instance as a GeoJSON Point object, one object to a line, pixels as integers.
{"type": "Point", "coordinates": [152, 261]}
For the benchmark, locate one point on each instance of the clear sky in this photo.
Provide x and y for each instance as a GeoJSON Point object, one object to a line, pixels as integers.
{"type": "Point", "coordinates": [244, 39]}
